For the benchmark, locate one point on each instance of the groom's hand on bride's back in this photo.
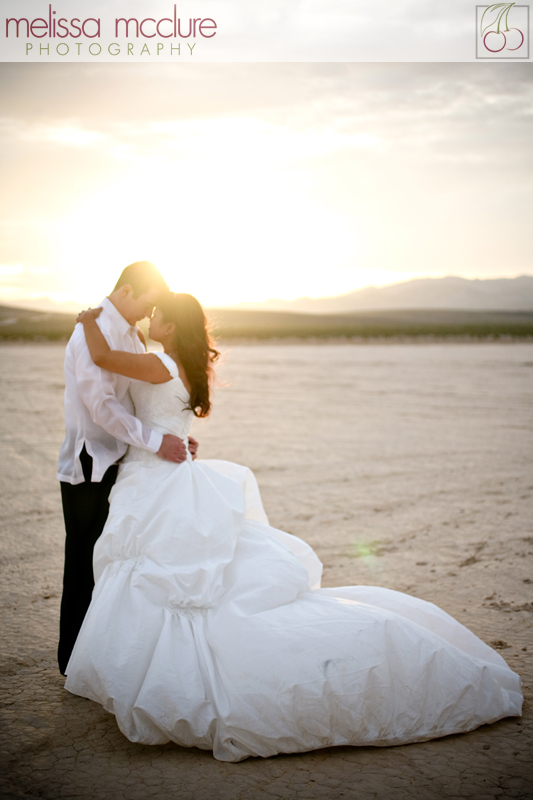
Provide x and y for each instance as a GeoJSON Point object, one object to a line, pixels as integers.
{"type": "Point", "coordinates": [172, 449]}
{"type": "Point", "coordinates": [193, 447]}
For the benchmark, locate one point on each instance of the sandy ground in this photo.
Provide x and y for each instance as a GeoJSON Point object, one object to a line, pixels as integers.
{"type": "Point", "coordinates": [402, 465]}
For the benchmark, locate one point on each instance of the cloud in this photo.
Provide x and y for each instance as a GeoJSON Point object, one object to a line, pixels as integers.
{"type": "Point", "coordinates": [63, 135]}
{"type": "Point", "coordinates": [405, 166]}
{"type": "Point", "coordinates": [454, 111]}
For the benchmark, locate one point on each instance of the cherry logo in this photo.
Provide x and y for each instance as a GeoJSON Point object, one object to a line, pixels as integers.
{"type": "Point", "coordinates": [495, 30]}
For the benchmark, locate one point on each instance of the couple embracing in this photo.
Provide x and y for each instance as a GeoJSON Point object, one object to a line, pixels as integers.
{"type": "Point", "coordinates": [206, 626]}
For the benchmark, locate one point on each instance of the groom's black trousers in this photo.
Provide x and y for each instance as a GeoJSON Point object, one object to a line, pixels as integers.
{"type": "Point", "coordinates": [85, 509]}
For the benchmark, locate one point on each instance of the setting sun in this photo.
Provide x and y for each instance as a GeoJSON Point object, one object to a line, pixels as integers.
{"type": "Point", "coordinates": [256, 228]}
{"type": "Point", "coordinates": [243, 183]}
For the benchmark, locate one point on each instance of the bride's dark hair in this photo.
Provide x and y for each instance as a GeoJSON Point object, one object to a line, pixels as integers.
{"type": "Point", "coordinates": [194, 345]}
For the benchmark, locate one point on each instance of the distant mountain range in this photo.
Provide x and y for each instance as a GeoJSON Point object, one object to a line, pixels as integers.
{"type": "Point", "coordinates": [497, 294]}
{"type": "Point", "coordinates": [46, 304]}
{"type": "Point", "coordinates": [450, 293]}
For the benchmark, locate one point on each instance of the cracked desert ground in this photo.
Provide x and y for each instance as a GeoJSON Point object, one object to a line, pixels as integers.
{"type": "Point", "coordinates": [403, 465]}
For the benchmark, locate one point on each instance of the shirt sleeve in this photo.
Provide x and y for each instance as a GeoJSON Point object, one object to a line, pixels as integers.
{"type": "Point", "coordinates": [96, 388]}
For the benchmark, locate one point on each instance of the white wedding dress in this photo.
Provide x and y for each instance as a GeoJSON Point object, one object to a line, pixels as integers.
{"type": "Point", "coordinates": [209, 628]}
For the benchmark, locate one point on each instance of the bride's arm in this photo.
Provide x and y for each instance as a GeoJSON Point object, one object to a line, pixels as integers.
{"type": "Point", "coordinates": [142, 366]}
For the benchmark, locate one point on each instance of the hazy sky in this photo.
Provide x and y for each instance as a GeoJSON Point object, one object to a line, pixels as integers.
{"type": "Point", "coordinates": [250, 181]}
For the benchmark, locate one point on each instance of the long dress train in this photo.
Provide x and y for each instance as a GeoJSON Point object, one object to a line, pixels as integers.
{"type": "Point", "coordinates": [208, 627]}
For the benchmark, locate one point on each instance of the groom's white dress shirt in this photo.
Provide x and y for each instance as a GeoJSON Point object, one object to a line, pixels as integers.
{"type": "Point", "coordinates": [99, 411]}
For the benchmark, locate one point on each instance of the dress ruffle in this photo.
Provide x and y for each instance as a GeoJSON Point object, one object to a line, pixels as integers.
{"type": "Point", "coordinates": [209, 628]}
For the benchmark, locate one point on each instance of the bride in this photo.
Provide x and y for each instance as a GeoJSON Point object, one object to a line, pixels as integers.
{"type": "Point", "coordinates": [208, 627]}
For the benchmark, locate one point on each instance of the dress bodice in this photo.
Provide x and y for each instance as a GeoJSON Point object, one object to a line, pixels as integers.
{"type": "Point", "coordinates": [162, 407]}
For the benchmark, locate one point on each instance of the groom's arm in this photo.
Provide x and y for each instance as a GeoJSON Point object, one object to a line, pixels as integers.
{"type": "Point", "coordinates": [97, 391]}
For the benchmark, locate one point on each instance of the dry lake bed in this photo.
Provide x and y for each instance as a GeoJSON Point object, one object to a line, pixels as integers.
{"type": "Point", "coordinates": [403, 465]}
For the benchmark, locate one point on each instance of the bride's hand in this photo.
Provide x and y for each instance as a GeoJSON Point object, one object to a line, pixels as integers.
{"type": "Point", "coordinates": [90, 313]}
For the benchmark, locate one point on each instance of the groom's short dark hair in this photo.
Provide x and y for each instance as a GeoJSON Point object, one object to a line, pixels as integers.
{"type": "Point", "coordinates": [141, 276]}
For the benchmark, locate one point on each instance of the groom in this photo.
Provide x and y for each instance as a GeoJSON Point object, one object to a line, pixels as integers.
{"type": "Point", "coordinates": [100, 424]}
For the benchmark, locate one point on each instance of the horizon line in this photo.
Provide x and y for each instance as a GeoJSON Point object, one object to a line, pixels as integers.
{"type": "Point", "coordinates": [19, 299]}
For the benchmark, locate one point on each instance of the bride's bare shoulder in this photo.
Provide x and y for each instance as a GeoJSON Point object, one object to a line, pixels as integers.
{"type": "Point", "coordinates": [142, 337]}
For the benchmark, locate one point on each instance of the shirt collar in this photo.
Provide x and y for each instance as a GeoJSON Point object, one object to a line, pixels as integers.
{"type": "Point", "coordinates": [122, 325]}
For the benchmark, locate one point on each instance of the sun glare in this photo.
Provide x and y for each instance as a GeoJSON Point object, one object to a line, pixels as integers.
{"type": "Point", "coordinates": [222, 219]}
